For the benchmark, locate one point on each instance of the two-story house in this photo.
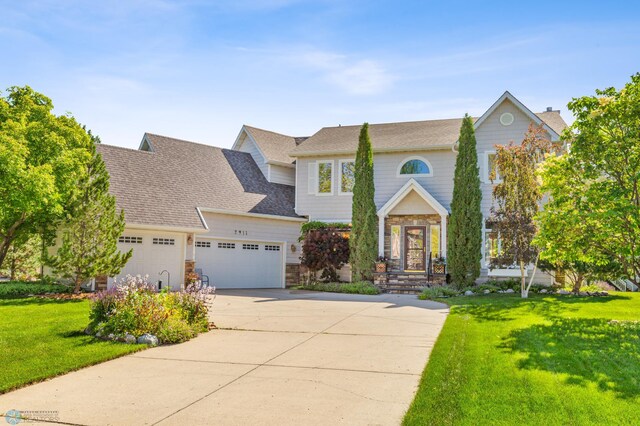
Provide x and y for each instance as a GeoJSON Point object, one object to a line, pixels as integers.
{"type": "Point", "coordinates": [235, 214]}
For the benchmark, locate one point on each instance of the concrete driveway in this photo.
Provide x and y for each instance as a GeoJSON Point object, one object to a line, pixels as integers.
{"type": "Point", "coordinates": [279, 357]}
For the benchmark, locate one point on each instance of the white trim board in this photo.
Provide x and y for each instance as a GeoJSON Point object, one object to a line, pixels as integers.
{"type": "Point", "coordinates": [412, 185]}
{"type": "Point", "coordinates": [256, 215]}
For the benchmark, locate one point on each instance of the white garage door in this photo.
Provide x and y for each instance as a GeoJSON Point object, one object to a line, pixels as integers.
{"type": "Point", "coordinates": [241, 264]}
{"type": "Point", "coordinates": [152, 254]}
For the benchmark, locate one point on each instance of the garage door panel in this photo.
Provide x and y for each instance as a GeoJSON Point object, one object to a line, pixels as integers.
{"type": "Point", "coordinates": [153, 253]}
{"type": "Point", "coordinates": [241, 264]}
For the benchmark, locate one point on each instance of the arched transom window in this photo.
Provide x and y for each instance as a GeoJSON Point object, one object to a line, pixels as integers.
{"type": "Point", "coordinates": [415, 166]}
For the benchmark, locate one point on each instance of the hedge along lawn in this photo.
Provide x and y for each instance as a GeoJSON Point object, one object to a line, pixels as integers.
{"type": "Point", "coordinates": [42, 338]}
{"type": "Point", "coordinates": [548, 360]}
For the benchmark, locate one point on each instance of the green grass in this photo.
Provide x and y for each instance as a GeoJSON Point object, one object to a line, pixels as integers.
{"type": "Point", "coordinates": [548, 360]}
{"type": "Point", "coordinates": [360, 287]}
{"type": "Point", "coordinates": [41, 338]}
{"type": "Point", "coordinates": [20, 288]}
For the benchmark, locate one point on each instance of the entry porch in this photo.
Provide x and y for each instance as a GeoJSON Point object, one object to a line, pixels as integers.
{"type": "Point", "coordinates": [413, 238]}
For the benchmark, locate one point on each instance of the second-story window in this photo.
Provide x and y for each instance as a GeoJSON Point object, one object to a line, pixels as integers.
{"type": "Point", "coordinates": [491, 168]}
{"type": "Point", "coordinates": [347, 176]}
{"type": "Point", "coordinates": [325, 177]}
{"type": "Point", "coordinates": [415, 166]}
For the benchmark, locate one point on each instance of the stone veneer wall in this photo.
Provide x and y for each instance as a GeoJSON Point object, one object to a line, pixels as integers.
{"type": "Point", "coordinates": [189, 267]}
{"type": "Point", "coordinates": [101, 282]}
{"type": "Point", "coordinates": [293, 274]}
{"type": "Point", "coordinates": [404, 220]}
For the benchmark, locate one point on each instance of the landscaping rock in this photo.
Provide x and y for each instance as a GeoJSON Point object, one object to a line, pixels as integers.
{"type": "Point", "coordinates": [604, 293]}
{"type": "Point", "coordinates": [544, 291]}
{"type": "Point", "coordinates": [501, 291]}
{"type": "Point", "coordinates": [509, 290]}
{"type": "Point", "coordinates": [111, 336]}
{"type": "Point", "coordinates": [468, 293]}
{"type": "Point", "coordinates": [88, 330]}
{"type": "Point", "coordinates": [487, 291]}
{"type": "Point", "coordinates": [564, 292]}
{"type": "Point", "coordinates": [99, 334]}
{"type": "Point", "coordinates": [129, 339]}
{"type": "Point", "coordinates": [148, 339]}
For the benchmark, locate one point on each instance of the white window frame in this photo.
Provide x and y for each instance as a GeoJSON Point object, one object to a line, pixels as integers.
{"type": "Point", "coordinates": [340, 163]}
{"type": "Point", "coordinates": [419, 175]}
{"type": "Point", "coordinates": [487, 179]}
{"type": "Point", "coordinates": [324, 194]}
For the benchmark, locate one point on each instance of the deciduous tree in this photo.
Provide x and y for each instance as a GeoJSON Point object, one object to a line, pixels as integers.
{"type": "Point", "coordinates": [42, 157]}
{"type": "Point", "coordinates": [596, 186]}
{"type": "Point", "coordinates": [517, 200]}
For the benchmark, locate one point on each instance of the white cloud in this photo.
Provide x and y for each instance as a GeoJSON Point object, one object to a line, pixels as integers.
{"type": "Point", "coordinates": [355, 76]}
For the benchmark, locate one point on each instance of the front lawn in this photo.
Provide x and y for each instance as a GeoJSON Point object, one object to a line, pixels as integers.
{"type": "Point", "coordinates": [42, 337]}
{"type": "Point", "coordinates": [547, 360]}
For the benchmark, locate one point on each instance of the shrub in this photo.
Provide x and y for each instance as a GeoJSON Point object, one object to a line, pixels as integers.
{"type": "Point", "coordinates": [359, 287]}
{"type": "Point", "coordinates": [134, 306]}
{"type": "Point", "coordinates": [432, 293]}
{"type": "Point", "coordinates": [19, 288]}
{"type": "Point", "coordinates": [325, 250]}
{"type": "Point", "coordinates": [173, 330]}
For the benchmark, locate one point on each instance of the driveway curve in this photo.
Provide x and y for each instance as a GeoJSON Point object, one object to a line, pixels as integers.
{"type": "Point", "coordinates": [278, 357]}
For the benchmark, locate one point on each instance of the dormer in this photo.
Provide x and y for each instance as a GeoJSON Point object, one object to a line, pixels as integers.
{"type": "Point", "coordinates": [270, 152]}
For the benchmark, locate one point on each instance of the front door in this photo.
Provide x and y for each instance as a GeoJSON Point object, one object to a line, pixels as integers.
{"type": "Point", "coordinates": [414, 248]}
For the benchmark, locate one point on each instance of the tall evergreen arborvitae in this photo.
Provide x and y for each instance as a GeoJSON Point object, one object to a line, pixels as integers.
{"type": "Point", "coordinates": [465, 224]}
{"type": "Point", "coordinates": [90, 234]}
{"type": "Point", "coordinates": [363, 242]}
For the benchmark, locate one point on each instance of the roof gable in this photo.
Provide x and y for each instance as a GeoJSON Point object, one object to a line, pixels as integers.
{"type": "Point", "coordinates": [533, 117]}
{"type": "Point", "coordinates": [273, 147]}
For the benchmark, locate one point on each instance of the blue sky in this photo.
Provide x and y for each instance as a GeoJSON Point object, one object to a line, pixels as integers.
{"type": "Point", "coordinates": [198, 70]}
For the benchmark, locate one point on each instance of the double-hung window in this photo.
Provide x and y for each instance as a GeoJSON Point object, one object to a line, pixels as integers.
{"type": "Point", "coordinates": [347, 176]}
{"type": "Point", "coordinates": [325, 177]}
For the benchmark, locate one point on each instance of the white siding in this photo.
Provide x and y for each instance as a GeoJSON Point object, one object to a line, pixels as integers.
{"type": "Point", "coordinates": [491, 133]}
{"type": "Point", "coordinates": [255, 229]}
{"type": "Point", "coordinates": [281, 174]}
{"type": "Point", "coordinates": [247, 145]}
{"type": "Point", "coordinates": [387, 183]}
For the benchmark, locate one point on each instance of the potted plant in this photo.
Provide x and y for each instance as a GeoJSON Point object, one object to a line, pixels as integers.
{"type": "Point", "coordinates": [381, 264]}
{"type": "Point", "coordinates": [439, 265]}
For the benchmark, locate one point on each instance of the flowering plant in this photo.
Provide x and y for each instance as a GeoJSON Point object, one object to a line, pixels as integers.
{"type": "Point", "coordinates": [134, 306]}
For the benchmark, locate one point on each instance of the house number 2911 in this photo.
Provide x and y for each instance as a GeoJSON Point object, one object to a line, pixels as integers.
{"type": "Point", "coordinates": [240, 232]}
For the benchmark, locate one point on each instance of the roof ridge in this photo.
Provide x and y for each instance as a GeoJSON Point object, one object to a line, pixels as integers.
{"type": "Point", "coordinates": [269, 131]}
{"type": "Point", "coordinates": [123, 147]}
{"type": "Point", "coordinates": [395, 122]}
{"type": "Point", "coordinates": [184, 140]}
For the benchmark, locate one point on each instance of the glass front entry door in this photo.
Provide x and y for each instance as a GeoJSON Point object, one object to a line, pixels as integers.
{"type": "Point", "coordinates": [414, 252]}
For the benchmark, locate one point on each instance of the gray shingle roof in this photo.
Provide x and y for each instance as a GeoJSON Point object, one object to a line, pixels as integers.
{"type": "Point", "coordinates": [164, 187]}
{"type": "Point", "coordinates": [402, 136]}
{"type": "Point", "coordinates": [553, 119]}
{"type": "Point", "coordinates": [274, 146]}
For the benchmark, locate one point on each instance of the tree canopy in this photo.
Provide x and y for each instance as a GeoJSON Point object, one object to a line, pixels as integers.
{"type": "Point", "coordinates": [518, 197]}
{"type": "Point", "coordinates": [593, 216]}
{"type": "Point", "coordinates": [42, 157]}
